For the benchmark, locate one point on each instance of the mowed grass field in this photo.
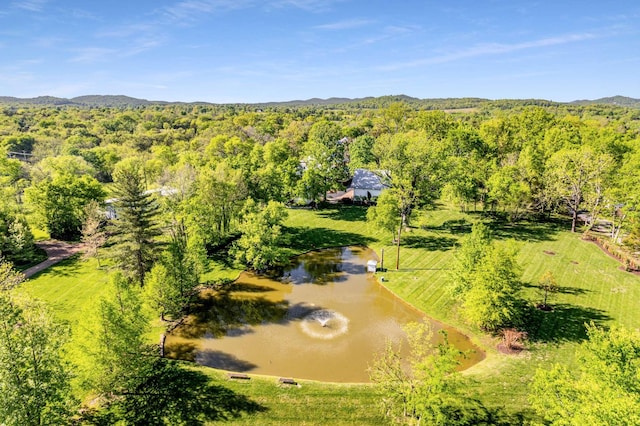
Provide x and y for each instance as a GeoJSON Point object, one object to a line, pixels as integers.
{"type": "Point", "coordinates": [592, 288]}
{"type": "Point", "coordinates": [69, 287]}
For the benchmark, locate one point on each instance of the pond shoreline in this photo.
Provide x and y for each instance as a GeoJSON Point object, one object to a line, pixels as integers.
{"type": "Point", "coordinates": [330, 269]}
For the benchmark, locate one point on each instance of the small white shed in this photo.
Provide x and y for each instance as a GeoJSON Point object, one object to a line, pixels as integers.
{"type": "Point", "coordinates": [372, 265]}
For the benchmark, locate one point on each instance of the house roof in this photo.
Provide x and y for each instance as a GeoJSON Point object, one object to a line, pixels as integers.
{"type": "Point", "coordinates": [366, 179]}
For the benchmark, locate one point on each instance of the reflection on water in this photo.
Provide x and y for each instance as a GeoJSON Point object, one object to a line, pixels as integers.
{"type": "Point", "coordinates": [324, 319]}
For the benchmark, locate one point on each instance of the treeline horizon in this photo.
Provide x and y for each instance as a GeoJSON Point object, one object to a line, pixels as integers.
{"type": "Point", "coordinates": [123, 101]}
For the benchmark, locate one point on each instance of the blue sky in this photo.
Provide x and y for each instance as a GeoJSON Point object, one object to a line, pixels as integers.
{"type": "Point", "coordinates": [277, 50]}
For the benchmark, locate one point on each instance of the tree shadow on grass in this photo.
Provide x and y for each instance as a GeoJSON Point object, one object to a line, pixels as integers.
{"type": "Point", "coordinates": [471, 411]}
{"type": "Point", "coordinates": [524, 231]}
{"type": "Point", "coordinates": [221, 255]}
{"type": "Point", "coordinates": [453, 226]}
{"type": "Point", "coordinates": [172, 394]}
{"type": "Point", "coordinates": [305, 238]}
{"type": "Point", "coordinates": [428, 242]}
{"type": "Point", "coordinates": [565, 323]}
{"type": "Point", "coordinates": [65, 268]}
{"type": "Point", "coordinates": [348, 213]}
{"type": "Point", "coordinates": [562, 290]}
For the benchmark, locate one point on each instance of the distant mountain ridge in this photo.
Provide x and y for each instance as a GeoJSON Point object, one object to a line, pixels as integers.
{"type": "Point", "coordinates": [88, 100]}
{"type": "Point", "coordinates": [122, 101]}
{"type": "Point", "coordinates": [612, 100]}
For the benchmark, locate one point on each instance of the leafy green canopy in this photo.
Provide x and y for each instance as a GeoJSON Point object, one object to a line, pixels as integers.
{"type": "Point", "coordinates": [604, 389]}
{"type": "Point", "coordinates": [260, 246]}
{"type": "Point", "coordinates": [59, 203]}
{"type": "Point", "coordinates": [34, 379]}
{"type": "Point", "coordinates": [486, 280]}
{"type": "Point", "coordinates": [424, 387]}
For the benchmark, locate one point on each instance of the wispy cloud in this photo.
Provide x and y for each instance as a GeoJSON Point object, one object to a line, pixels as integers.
{"type": "Point", "coordinates": [84, 14]}
{"type": "Point", "coordinates": [345, 25]}
{"type": "Point", "coordinates": [389, 32]}
{"type": "Point", "coordinates": [190, 10]}
{"type": "Point", "coordinates": [136, 38]}
{"type": "Point", "coordinates": [142, 45]}
{"type": "Point", "coordinates": [127, 30]}
{"type": "Point", "coordinates": [30, 5]}
{"type": "Point", "coordinates": [315, 6]}
{"type": "Point", "coordinates": [487, 49]}
{"type": "Point", "coordinates": [92, 54]}
{"type": "Point", "coordinates": [48, 42]}
{"type": "Point", "coordinates": [380, 36]}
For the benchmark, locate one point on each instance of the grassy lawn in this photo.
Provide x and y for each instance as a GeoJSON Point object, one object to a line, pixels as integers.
{"type": "Point", "coordinates": [309, 403]}
{"type": "Point", "coordinates": [592, 288]}
{"type": "Point", "coordinates": [68, 287]}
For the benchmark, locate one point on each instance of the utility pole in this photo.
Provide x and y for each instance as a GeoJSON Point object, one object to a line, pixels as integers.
{"type": "Point", "coordinates": [402, 222]}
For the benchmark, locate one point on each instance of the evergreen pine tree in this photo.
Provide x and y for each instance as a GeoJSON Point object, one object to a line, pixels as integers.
{"type": "Point", "coordinates": [135, 229]}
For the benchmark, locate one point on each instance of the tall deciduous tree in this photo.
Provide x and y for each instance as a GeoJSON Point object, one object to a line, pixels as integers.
{"type": "Point", "coordinates": [93, 233]}
{"type": "Point", "coordinates": [485, 279]}
{"type": "Point", "coordinates": [386, 213]}
{"type": "Point", "coordinates": [135, 228]}
{"type": "Point", "coordinates": [59, 202]}
{"type": "Point", "coordinates": [624, 197]}
{"type": "Point", "coordinates": [468, 166]}
{"type": "Point", "coordinates": [324, 156]}
{"type": "Point", "coordinates": [172, 281]}
{"type": "Point", "coordinates": [467, 259]}
{"type": "Point", "coordinates": [274, 171]}
{"type": "Point", "coordinates": [508, 188]}
{"type": "Point", "coordinates": [137, 386]}
{"type": "Point", "coordinates": [576, 176]}
{"type": "Point", "coordinates": [217, 201]}
{"type": "Point", "coordinates": [493, 299]}
{"type": "Point", "coordinates": [116, 340]}
{"type": "Point", "coordinates": [410, 162]}
{"type": "Point", "coordinates": [259, 247]}
{"type": "Point", "coordinates": [16, 239]}
{"type": "Point", "coordinates": [361, 153]}
{"type": "Point", "coordinates": [425, 388]}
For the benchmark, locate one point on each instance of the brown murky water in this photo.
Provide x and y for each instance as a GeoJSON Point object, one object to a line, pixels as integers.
{"type": "Point", "coordinates": [325, 319]}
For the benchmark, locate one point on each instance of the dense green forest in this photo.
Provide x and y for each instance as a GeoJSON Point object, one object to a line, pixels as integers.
{"type": "Point", "coordinates": [192, 184]}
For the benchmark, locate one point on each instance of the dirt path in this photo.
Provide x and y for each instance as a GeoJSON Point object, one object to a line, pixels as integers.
{"type": "Point", "coordinates": [56, 252]}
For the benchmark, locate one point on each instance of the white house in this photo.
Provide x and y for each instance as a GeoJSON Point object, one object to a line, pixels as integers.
{"type": "Point", "coordinates": [367, 185]}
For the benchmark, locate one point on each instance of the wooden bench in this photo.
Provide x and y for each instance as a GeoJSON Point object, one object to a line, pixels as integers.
{"type": "Point", "coordinates": [287, 381]}
{"type": "Point", "coordinates": [238, 376]}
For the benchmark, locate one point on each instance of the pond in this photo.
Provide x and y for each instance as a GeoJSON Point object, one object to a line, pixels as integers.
{"type": "Point", "coordinates": [325, 318]}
